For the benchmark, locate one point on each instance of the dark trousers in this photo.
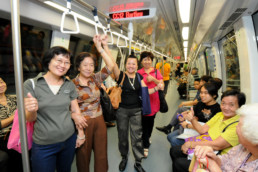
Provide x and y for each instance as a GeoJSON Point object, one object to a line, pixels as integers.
{"type": "Point", "coordinates": [147, 127]}
{"type": "Point", "coordinates": [53, 157]}
{"type": "Point", "coordinates": [182, 89]}
{"type": "Point", "coordinates": [166, 87]}
{"type": "Point", "coordinates": [10, 159]}
{"type": "Point", "coordinates": [179, 159]}
{"type": "Point", "coordinates": [130, 118]}
{"type": "Point", "coordinates": [96, 140]}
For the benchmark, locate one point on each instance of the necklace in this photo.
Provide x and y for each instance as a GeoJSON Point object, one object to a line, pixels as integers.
{"type": "Point", "coordinates": [131, 83]}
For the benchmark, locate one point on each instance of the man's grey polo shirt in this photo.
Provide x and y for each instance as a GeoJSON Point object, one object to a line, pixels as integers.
{"type": "Point", "coordinates": [54, 123]}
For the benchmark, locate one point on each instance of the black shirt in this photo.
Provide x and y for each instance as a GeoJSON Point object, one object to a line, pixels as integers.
{"type": "Point", "coordinates": [202, 117]}
{"type": "Point", "coordinates": [130, 96]}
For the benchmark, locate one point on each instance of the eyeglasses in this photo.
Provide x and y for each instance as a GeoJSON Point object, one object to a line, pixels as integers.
{"type": "Point", "coordinates": [59, 62]}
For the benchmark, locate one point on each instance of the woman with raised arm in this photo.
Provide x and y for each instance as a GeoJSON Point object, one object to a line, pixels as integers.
{"type": "Point", "coordinates": [86, 84]}
{"type": "Point", "coordinates": [51, 101]}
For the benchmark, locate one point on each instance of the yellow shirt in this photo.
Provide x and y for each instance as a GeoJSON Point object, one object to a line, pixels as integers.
{"type": "Point", "coordinates": [166, 70]}
{"type": "Point", "coordinates": [216, 127]}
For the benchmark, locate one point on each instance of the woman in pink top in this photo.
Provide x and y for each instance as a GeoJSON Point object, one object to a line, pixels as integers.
{"type": "Point", "coordinates": [153, 79]}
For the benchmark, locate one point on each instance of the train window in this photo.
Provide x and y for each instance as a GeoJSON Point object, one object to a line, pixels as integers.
{"type": "Point", "coordinates": [78, 45]}
{"type": "Point", "coordinates": [34, 41]}
{"type": "Point", "coordinates": [255, 20]}
{"type": "Point", "coordinates": [232, 70]}
{"type": "Point", "coordinates": [210, 60]}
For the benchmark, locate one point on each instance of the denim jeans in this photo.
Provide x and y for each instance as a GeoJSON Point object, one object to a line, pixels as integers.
{"type": "Point", "coordinates": [57, 156]}
{"type": "Point", "coordinates": [173, 140]}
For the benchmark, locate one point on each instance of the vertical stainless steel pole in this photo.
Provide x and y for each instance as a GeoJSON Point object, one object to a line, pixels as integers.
{"type": "Point", "coordinates": [15, 13]}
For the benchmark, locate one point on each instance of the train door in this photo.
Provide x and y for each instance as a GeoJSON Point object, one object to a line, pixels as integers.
{"type": "Point", "coordinates": [230, 62]}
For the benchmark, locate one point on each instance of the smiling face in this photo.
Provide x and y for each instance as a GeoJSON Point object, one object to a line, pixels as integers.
{"type": "Point", "coordinates": [86, 67]}
{"type": "Point", "coordinates": [147, 62]}
{"type": "Point", "coordinates": [205, 96]}
{"type": "Point", "coordinates": [59, 65]}
{"type": "Point", "coordinates": [229, 105]}
{"type": "Point", "coordinates": [2, 86]}
{"type": "Point", "coordinates": [131, 65]}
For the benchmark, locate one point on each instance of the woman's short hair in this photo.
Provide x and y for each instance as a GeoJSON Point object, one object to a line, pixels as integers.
{"type": "Point", "coordinates": [145, 54]}
{"type": "Point", "coordinates": [240, 96]}
{"type": "Point", "coordinates": [132, 57]}
{"type": "Point", "coordinates": [212, 90]}
{"type": "Point", "coordinates": [81, 57]}
{"type": "Point", "coordinates": [206, 78]}
{"type": "Point", "coordinates": [250, 128]}
{"type": "Point", "coordinates": [51, 53]}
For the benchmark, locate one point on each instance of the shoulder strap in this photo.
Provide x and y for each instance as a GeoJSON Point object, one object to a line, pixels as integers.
{"type": "Point", "coordinates": [219, 152]}
{"type": "Point", "coordinates": [96, 82]}
{"type": "Point", "coordinates": [121, 83]}
{"type": "Point", "coordinates": [139, 79]}
{"type": "Point", "coordinates": [228, 126]}
{"type": "Point", "coordinates": [33, 84]}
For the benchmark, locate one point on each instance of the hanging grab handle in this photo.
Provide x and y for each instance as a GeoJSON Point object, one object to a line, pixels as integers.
{"type": "Point", "coordinates": [108, 30]}
{"type": "Point", "coordinates": [69, 12]}
{"type": "Point", "coordinates": [119, 36]}
{"type": "Point", "coordinates": [97, 22]}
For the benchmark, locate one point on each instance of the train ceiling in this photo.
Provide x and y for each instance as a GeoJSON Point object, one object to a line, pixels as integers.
{"type": "Point", "coordinates": [209, 21]}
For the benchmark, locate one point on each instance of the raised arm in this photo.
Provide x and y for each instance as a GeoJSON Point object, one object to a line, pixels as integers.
{"type": "Point", "coordinates": [116, 70]}
{"type": "Point", "coordinates": [97, 39]}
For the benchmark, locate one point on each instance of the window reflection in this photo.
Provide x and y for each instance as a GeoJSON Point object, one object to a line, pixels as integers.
{"type": "Point", "coordinates": [34, 41]}
{"type": "Point", "coordinates": [231, 62]}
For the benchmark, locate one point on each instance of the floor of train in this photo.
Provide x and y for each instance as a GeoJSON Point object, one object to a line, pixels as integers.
{"type": "Point", "coordinates": [159, 159]}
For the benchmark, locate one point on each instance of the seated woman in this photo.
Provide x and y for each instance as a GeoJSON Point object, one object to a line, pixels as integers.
{"type": "Point", "coordinates": [221, 141]}
{"type": "Point", "coordinates": [243, 157]}
{"type": "Point", "coordinates": [8, 106]}
{"type": "Point", "coordinates": [204, 111]}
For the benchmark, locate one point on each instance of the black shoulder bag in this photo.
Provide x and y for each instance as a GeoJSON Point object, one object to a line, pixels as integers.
{"type": "Point", "coordinates": [162, 100]}
{"type": "Point", "coordinates": [107, 108]}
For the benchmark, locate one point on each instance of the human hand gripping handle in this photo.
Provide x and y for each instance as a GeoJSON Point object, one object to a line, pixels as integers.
{"type": "Point", "coordinates": [97, 42]}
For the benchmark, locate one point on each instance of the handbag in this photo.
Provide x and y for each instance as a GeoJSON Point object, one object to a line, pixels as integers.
{"type": "Point", "coordinates": [107, 108]}
{"type": "Point", "coordinates": [145, 98]}
{"type": "Point", "coordinates": [14, 141]}
{"type": "Point", "coordinates": [163, 103]}
{"type": "Point", "coordinates": [115, 94]}
{"type": "Point", "coordinates": [196, 166]}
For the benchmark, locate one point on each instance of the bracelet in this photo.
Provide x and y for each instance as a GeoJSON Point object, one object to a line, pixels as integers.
{"type": "Point", "coordinates": [81, 138]}
{"type": "Point", "coordinates": [101, 51]}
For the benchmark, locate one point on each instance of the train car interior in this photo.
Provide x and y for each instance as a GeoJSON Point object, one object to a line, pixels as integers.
{"type": "Point", "coordinates": [219, 38]}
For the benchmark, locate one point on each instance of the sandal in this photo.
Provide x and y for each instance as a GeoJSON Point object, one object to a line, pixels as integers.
{"type": "Point", "coordinates": [146, 153]}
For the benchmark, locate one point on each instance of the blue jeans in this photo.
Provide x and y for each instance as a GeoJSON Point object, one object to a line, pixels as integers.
{"type": "Point", "coordinates": [173, 140]}
{"type": "Point", "coordinates": [57, 156]}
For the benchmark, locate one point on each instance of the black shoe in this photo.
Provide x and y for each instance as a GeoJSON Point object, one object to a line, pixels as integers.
{"type": "Point", "coordinates": [164, 129]}
{"type": "Point", "coordinates": [138, 167]}
{"type": "Point", "coordinates": [122, 164]}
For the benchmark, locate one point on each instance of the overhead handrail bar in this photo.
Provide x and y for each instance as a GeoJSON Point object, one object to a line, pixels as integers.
{"type": "Point", "coordinates": [124, 37]}
{"type": "Point", "coordinates": [137, 43]}
{"type": "Point", "coordinates": [97, 22]}
{"type": "Point", "coordinates": [108, 30]}
{"type": "Point", "coordinates": [69, 12]}
{"type": "Point", "coordinates": [101, 14]}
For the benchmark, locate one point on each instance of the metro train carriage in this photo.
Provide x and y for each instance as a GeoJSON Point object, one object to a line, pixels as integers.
{"type": "Point", "coordinates": [218, 38]}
